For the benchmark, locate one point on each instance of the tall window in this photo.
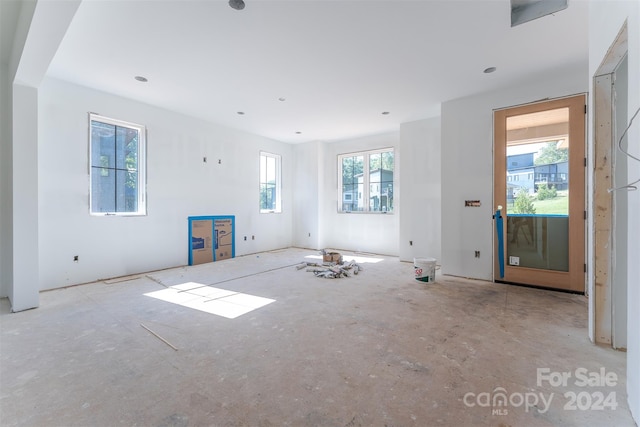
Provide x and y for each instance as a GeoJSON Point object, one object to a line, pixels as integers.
{"type": "Point", "coordinates": [117, 160]}
{"type": "Point", "coordinates": [270, 198]}
{"type": "Point", "coordinates": [366, 181]}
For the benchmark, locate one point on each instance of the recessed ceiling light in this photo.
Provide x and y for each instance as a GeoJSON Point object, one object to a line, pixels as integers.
{"type": "Point", "coordinates": [384, 113]}
{"type": "Point", "coordinates": [141, 79]}
{"type": "Point", "coordinates": [241, 113]}
{"type": "Point", "coordinates": [282, 99]}
{"type": "Point", "coordinates": [489, 70]}
{"type": "Point", "coordinates": [298, 132]}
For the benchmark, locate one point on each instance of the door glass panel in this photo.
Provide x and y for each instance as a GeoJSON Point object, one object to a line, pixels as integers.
{"type": "Point", "coordinates": [538, 190]}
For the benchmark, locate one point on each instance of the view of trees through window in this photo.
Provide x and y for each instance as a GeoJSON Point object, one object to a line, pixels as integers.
{"type": "Point", "coordinates": [366, 181]}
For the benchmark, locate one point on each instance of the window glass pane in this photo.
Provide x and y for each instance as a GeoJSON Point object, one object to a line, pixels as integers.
{"type": "Point", "coordinates": [374, 197]}
{"type": "Point", "coordinates": [349, 197]}
{"type": "Point", "coordinates": [381, 181]}
{"type": "Point", "coordinates": [267, 196]}
{"type": "Point", "coordinates": [537, 190]}
{"type": "Point", "coordinates": [103, 145]}
{"type": "Point", "coordinates": [386, 192]}
{"type": "Point", "coordinates": [130, 191]}
{"type": "Point", "coordinates": [271, 170]}
{"type": "Point", "coordinates": [120, 189]}
{"type": "Point", "coordinates": [387, 160]}
{"type": "Point", "coordinates": [375, 162]}
{"type": "Point", "coordinates": [119, 147]}
{"type": "Point", "coordinates": [103, 190]}
{"type": "Point", "coordinates": [131, 150]}
{"type": "Point", "coordinates": [352, 169]}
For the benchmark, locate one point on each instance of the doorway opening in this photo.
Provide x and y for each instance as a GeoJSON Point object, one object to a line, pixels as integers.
{"type": "Point", "coordinates": [608, 305]}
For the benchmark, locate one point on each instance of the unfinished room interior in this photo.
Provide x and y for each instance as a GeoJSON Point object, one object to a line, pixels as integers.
{"type": "Point", "coordinates": [319, 213]}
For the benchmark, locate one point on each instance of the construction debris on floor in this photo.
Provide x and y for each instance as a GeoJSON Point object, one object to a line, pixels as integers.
{"type": "Point", "coordinates": [333, 266]}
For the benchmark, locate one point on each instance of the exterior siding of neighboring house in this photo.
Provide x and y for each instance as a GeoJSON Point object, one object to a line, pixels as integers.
{"type": "Point", "coordinates": [522, 173]}
{"type": "Point", "coordinates": [380, 193]}
{"type": "Point", "coordinates": [553, 174]}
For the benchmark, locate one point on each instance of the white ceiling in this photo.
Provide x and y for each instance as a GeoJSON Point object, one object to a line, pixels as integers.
{"type": "Point", "coordinates": [338, 63]}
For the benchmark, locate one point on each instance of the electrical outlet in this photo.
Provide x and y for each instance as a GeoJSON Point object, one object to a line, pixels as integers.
{"type": "Point", "coordinates": [253, 237]}
{"type": "Point", "coordinates": [477, 254]}
{"type": "Point", "coordinates": [514, 260]}
{"type": "Point", "coordinates": [76, 258]}
{"type": "Point", "coordinates": [309, 234]}
{"type": "Point", "coordinates": [245, 238]}
{"type": "Point", "coordinates": [410, 242]}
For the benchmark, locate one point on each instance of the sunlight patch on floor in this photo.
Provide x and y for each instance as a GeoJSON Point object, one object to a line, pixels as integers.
{"type": "Point", "coordinates": [222, 302]}
{"type": "Point", "coordinates": [347, 258]}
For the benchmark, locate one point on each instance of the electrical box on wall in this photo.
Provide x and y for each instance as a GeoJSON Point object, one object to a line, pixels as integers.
{"type": "Point", "coordinates": [211, 238]}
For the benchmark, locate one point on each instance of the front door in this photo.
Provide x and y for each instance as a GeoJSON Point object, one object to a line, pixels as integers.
{"type": "Point", "coordinates": [539, 181]}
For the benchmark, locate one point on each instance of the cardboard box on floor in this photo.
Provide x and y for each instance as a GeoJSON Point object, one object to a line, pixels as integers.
{"type": "Point", "coordinates": [223, 230]}
{"type": "Point", "coordinates": [334, 257]}
{"type": "Point", "coordinates": [211, 239]}
{"type": "Point", "coordinates": [201, 242]}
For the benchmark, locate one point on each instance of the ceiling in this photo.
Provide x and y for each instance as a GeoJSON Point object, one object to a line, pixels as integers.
{"type": "Point", "coordinates": [303, 70]}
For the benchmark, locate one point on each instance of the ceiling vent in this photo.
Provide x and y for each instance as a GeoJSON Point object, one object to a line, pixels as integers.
{"type": "Point", "coordinates": [236, 4]}
{"type": "Point", "coordinates": [527, 10]}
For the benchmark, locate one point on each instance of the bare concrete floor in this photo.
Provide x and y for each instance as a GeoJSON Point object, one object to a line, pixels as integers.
{"type": "Point", "coordinates": [377, 349]}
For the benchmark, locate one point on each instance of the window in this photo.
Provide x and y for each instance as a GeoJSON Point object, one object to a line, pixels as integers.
{"type": "Point", "coordinates": [270, 199]}
{"type": "Point", "coordinates": [117, 167]}
{"type": "Point", "coordinates": [366, 181]}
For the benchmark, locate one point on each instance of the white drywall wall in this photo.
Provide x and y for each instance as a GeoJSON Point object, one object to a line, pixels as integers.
{"type": "Point", "coordinates": [25, 198]}
{"type": "Point", "coordinates": [6, 205]}
{"type": "Point", "coordinates": [179, 184]}
{"type": "Point", "coordinates": [420, 185]}
{"type": "Point", "coordinates": [605, 21]}
{"type": "Point", "coordinates": [376, 233]}
{"type": "Point", "coordinates": [467, 153]}
{"type": "Point", "coordinates": [306, 181]}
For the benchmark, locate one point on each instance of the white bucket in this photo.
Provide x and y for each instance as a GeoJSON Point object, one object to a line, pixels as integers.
{"type": "Point", "coordinates": [425, 269]}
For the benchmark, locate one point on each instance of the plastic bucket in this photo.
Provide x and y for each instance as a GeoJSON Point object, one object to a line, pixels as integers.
{"type": "Point", "coordinates": [425, 269]}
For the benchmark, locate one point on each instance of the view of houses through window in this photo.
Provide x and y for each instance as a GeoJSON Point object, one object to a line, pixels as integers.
{"type": "Point", "coordinates": [366, 181]}
{"type": "Point", "coordinates": [117, 159]}
{"type": "Point", "coordinates": [538, 178]}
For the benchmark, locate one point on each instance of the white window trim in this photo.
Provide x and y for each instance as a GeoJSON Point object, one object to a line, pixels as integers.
{"type": "Point", "coordinates": [365, 172]}
{"type": "Point", "coordinates": [278, 159]}
{"type": "Point", "coordinates": [142, 163]}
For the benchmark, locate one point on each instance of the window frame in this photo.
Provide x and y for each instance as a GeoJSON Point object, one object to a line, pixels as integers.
{"type": "Point", "coordinates": [141, 185]}
{"type": "Point", "coordinates": [278, 183]}
{"type": "Point", "coordinates": [366, 184]}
